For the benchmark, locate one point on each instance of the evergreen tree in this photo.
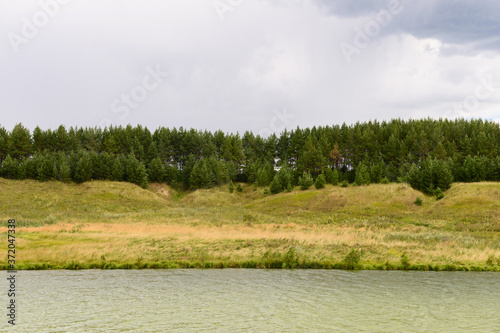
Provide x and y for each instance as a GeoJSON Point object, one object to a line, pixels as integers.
{"type": "Point", "coordinates": [45, 169]}
{"type": "Point", "coordinates": [156, 171]}
{"type": "Point", "coordinates": [10, 168]}
{"type": "Point", "coordinates": [443, 175]}
{"type": "Point", "coordinates": [362, 175]}
{"type": "Point", "coordinates": [305, 181]}
{"type": "Point", "coordinates": [275, 186]}
{"type": "Point", "coordinates": [83, 170]}
{"type": "Point", "coordinates": [335, 177]}
{"type": "Point", "coordinates": [320, 182]}
{"type": "Point", "coordinates": [141, 177]}
{"type": "Point", "coordinates": [64, 172]}
{"type": "Point", "coordinates": [231, 186]}
{"type": "Point", "coordinates": [117, 170]}
{"type": "Point", "coordinates": [470, 170]}
{"type": "Point", "coordinates": [414, 178]}
{"type": "Point", "coordinates": [19, 142]}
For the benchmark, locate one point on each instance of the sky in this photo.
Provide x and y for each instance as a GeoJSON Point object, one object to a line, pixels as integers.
{"type": "Point", "coordinates": [239, 65]}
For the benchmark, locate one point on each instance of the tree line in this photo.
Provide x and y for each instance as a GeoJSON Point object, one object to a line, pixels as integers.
{"type": "Point", "coordinates": [429, 154]}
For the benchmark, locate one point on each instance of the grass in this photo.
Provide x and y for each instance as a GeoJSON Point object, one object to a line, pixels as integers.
{"type": "Point", "coordinates": [119, 225]}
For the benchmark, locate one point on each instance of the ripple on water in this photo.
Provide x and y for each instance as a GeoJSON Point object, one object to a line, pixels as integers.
{"type": "Point", "coordinates": [257, 300]}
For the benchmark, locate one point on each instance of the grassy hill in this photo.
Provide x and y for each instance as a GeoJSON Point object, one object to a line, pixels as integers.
{"type": "Point", "coordinates": [120, 225]}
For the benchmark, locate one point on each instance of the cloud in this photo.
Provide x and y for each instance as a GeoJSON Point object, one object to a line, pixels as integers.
{"type": "Point", "coordinates": [474, 25]}
{"type": "Point", "coordinates": [233, 74]}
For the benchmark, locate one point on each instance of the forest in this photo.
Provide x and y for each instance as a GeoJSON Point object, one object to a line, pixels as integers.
{"type": "Point", "coordinates": [428, 154]}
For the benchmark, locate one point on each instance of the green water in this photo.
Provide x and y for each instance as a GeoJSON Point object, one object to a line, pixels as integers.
{"type": "Point", "coordinates": [255, 301]}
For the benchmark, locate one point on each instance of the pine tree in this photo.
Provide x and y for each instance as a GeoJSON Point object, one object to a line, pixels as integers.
{"type": "Point", "coordinates": [320, 182]}
{"type": "Point", "coordinates": [231, 186]}
{"type": "Point", "coordinates": [19, 142]}
{"type": "Point", "coordinates": [362, 175]}
{"type": "Point", "coordinates": [64, 171]}
{"type": "Point", "coordinates": [156, 171]}
{"type": "Point", "coordinates": [117, 171]}
{"type": "Point", "coordinates": [443, 175]}
{"type": "Point", "coordinates": [10, 168]}
{"type": "Point", "coordinates": [335, 177]}
{"type": "Point", "coordinates": [45, 169]}
{"type": "Point", "coordinates": [414, 178]}
{"type": "Point", "coordinates": [335, 156]}
{"type": "Point", "coordinates": [470, 169]}
{"type": "Point", "coordinates": [141, 176]}
{"type": "Point", "coordinates": [275, 186]}
{"type": "Point", "coordinates": [83, 170]}
{"type": "Point", "coordinates": [305, 181]}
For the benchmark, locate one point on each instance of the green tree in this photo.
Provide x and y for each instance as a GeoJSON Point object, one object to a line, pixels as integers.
{"type": "Point", "coordinates": [10, 168]}
{"type": "Point", "coordinates": [320, 182]}
{"type": "Point", "coordinates": [362, 175]}
{"type": "Point", "coordinates": [275, 186]}
{"type": "Point", "coordinates": [443, 175]}
{"type": "Point", "coordinates": [45, 169]}
{"type": "Point", "coordinates": [306, 181]}
{"type": "Point", "coordinates": [117, 170]}
{"type": "Point", "coordinates": [141, 177]}
{"type": "Point", "coordinates": [65, 171]}
{"type": "Point", "coordinates": [83, 170]}
{"type": "Point", "coordinates": [156, 171]}
{"type": "Point", "coordinates": [19, 142]}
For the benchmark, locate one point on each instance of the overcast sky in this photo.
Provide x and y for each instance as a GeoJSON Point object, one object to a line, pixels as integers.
{"type": "Point", "coordinates": [240, 65]}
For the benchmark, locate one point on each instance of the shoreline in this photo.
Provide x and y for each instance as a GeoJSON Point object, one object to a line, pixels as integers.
{"type": "Point", "coordinates": [252, 265]}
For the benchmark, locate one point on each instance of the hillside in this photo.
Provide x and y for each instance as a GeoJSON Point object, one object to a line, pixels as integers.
{"type": "Point", "coordinates": [116, 224]}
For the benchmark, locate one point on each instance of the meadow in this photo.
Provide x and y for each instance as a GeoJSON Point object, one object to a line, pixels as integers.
{"type": "Point", "coordinates": [103, 224]}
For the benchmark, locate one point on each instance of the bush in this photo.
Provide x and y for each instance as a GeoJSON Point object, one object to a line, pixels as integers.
{"type": "Point", "coordinates": [266, 191]}
{"type": "Point", "coordinates": [345, 183]}
{"type": "Point", "coordinates": [231, 187]}
{"type": "Point", "coordinates": [385, 180]}
{"type": "Point", "coordinates": [439, 194]}
{"type": "Point", "coordinates": [305, 181]}
{"type": "Point", "coordinates": [418, 201]}
{"type": "Point", "coordinates": [351, 261]}
{"type": "Point", "coordinates": [239, 188]}
{"type": "Point", "coordinates": [320, 182]}
{"type": "Point", "coordinates": [405, 261]}
{"type": "Point", "coordinates": [275, 186]}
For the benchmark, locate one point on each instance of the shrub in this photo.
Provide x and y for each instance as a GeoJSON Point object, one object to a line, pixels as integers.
{"type": "Point", "coordinates": [405, 261]}
{"type": "Point", "coordinates": [230, 187]}
{"type": "Point", "coordinates": [345, 183]}
{"type": "Point", "coordinates": [351, 261]}
{"type": "Point", "coordinates": [266, 191]}
{"type": "Point", "coordinates": [320, 182]}
{"type": "Point", "coordinates": [239, 188]}
{"type": "Point", "coordinates": [439, 194]}
{"type": "Point", "coordinates": [275, 186]}
{"type": "Point", "coordinates": [418, 201]}
{"type": "Point", "coordinates": [385, 180]}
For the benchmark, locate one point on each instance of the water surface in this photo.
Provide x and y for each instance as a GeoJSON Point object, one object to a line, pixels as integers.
{"type": "Point", "coordinates": [242, 300]}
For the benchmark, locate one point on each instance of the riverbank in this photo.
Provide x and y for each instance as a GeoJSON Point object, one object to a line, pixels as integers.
{"type": "Point", "coordinates": [119, 225]}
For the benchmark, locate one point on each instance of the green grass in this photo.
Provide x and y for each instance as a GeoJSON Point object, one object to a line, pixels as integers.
{"type": "Point", "coordinates": [75, 226]}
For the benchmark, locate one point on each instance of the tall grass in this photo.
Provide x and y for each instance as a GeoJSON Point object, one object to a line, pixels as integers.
{"type": "Point", "coordinates": [76, 226]}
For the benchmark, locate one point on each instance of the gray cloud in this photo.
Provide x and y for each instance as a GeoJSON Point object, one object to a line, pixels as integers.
{"type": "Point", "coordinates": [475, 24]}
{"type": "Point", "coordinates": [234, 73]}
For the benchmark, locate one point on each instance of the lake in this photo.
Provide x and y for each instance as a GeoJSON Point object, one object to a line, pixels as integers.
{"type": "Point", "coordinates": [239, 300]}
